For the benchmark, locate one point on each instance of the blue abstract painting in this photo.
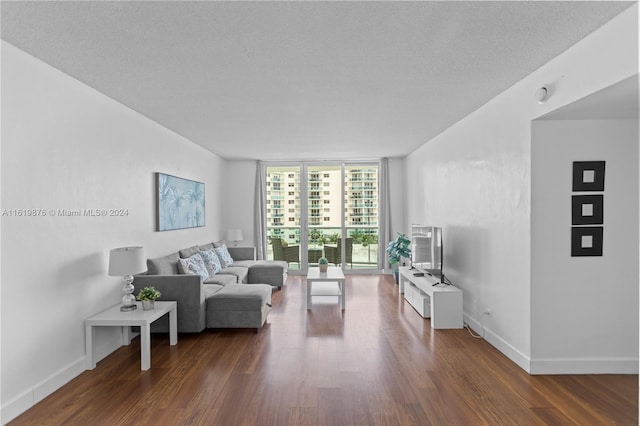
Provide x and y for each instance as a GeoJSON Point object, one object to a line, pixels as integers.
{"type": "Point", "coordinates": [180, 203]}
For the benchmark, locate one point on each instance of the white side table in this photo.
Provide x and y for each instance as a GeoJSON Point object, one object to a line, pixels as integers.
{"type": "Point", "coordinates": [333, 274]}
{"type": "Point", "coordinates": [139, 317]}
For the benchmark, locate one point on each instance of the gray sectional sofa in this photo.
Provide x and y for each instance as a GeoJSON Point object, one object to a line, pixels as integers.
{"type": "Point", "coordinates": [238, 296]}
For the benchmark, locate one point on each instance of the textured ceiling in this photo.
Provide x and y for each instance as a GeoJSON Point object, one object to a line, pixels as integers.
{"type": "Point", "coordinates": [285, 80]}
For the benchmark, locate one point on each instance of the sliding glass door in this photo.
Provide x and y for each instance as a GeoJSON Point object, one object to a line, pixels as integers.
{"type": "Point", "coordinates": [283, 214]}
{"type": "Point", "coordinates": [361, 213]}
{"type": "Point", "coordinates": [315, 210]}
{"type": "Point", "coordinates": [324, 213]}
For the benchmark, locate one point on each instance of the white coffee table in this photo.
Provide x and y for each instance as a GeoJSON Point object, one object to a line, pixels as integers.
{"type": "Point", "coordinates": [334, 275]}
{"type": "Point", "coordinates": [139, 317]}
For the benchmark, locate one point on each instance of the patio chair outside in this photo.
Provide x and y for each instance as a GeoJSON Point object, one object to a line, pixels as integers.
{"type": "Point", "coordinates": [332, 253]}
{"type": "Point", "coordinates": [282, 251]}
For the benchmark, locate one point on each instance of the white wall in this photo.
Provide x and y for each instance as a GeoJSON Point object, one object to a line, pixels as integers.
{"type": "Point", "coordinates": [239, 199]}
{"type": "Point", "coordinates": [474, 180]}
{"type": "Point", "coordinates": [66, 146]}
{"type": "Point", "coordinates": [584, 310]}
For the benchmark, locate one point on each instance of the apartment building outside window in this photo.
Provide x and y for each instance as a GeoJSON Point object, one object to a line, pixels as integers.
{"type": "Point", "coordinates": [336, 203]}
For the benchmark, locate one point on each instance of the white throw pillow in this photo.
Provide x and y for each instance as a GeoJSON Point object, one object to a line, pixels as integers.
{"type": "Point", "coordinates": [193, 265]}
{"type": "Point", "coordinates": [225, 257]}
{"type": "Point", "coordinates": [211, 261]}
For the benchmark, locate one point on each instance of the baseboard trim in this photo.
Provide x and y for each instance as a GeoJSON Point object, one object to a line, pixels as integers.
{"type": "Point", "coordinates": [17, 406]}
{"type": "Point", "coordinates": [46, 387]}
{"type": "Point", "coordinates": [41, 390]}
{"type": "Point", "coordinates": [540, 366]}
{"type": "Point", "coordinates": [500, 344]}
{"type": "Point", "coordinates": [584, 366]}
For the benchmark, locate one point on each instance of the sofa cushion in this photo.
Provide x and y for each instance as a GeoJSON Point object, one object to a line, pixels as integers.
{"type": "Point", "coordinates": [240, 298]}
{"type": "Point", "coordinates": [222, 279]}
{"type": "Point", "coordinates": [241, 273]}
{"type": "Point", "coordinates": [188, 252]}
{"type": "Point", "coordinates": [245, 263]}
{"type": "Point", "coordinates": [211, 289]}
{"type": "Point", "coordinates": [205, 247]}
{"type": "Point", "coordinates": [193, 265]}
{"type": "Point", "coordinates": [211, 261]}
{"type": "Point", "coordinates": [166, 265]}
{"type": "Point", "coordinates": [225, 257]}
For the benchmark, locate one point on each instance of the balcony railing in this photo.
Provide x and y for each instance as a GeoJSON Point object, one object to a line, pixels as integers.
{"type": "Point", "coordinates": [357, 205]}
{"type": "Point", "coordinates": [364, 250]}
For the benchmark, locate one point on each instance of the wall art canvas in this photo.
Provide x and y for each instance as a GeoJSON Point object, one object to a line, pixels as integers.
{"type": "Point", "coordinates": [179, 203]}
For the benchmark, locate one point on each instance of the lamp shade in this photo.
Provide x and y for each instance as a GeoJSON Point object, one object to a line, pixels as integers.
{"type": "Point", "coordinates": [126, 261]}
{"type": "Point", "coordinates": [234, 235]}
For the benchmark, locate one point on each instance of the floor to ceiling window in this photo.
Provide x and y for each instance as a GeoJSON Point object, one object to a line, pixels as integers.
{"type": "Point", "coordinates": [331, 210]}
{"type": "Point", "coordinates": [283, 214]}
{"type": "Point", "coordinates": [361, 212]}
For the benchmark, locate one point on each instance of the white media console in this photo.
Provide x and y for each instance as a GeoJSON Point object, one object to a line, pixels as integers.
{"type": "Point", "coordinates": [442, 303]}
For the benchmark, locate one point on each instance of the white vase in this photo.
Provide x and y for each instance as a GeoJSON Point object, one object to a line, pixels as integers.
{"type": "Point", "coordinates": [147, 305]}
{"type": "Point", "coordinates": [323, 267]}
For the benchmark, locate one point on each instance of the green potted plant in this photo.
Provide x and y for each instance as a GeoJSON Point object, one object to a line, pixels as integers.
{"type": "Point", "coordinates": [148, 295]}
{"type": "Point", "coordinates": [397, 250]}
{"type": "Point", "coordinates": [323, 264]}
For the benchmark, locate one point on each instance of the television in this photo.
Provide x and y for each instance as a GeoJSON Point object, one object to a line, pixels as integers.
{"type": "Point", "coordinates": [427, 251]}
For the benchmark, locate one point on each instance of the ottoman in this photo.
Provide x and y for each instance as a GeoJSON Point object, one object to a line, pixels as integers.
{"type": "Point", "coordinates": [239, 306]}
{"type": "Point", "coordinates": [272, 272]}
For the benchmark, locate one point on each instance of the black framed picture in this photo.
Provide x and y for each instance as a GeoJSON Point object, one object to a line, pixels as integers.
{"type": "Point", "coordinates": [586, 240]}
{"type": "Point", "coordinates": [588, 175]}
{"type": "Point", "coordinates": [587, 209]}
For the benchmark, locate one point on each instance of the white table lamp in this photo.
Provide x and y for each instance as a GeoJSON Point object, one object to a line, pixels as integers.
{"type": "Point", "coordinates": [234, 235]}
{"type": "Point", "coordinates": [126, 261]}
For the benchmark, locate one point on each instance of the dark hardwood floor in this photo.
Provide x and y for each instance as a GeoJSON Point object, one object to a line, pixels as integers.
{"type": "Point", "coordinates": [378, 363]}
